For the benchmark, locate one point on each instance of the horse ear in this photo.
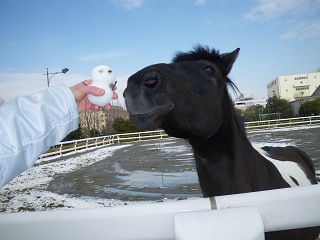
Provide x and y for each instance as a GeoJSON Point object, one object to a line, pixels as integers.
{"type": "Point", "coordinates": [226, 61]}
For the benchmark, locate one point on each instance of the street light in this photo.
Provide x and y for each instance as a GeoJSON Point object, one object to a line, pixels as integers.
{"type": "Point", "coordinates": [50, 75]}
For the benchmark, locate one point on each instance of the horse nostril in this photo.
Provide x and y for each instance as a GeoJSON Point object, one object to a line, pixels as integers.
{"type": "Point", "coordinates": [151, 83]}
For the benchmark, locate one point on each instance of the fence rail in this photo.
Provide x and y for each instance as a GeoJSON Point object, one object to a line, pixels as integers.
{"type": "Point", "coordinates": [286, 122]}
{"type": "Point", "coordinates": [91, 143]}
{"type": "Point", "coordinates": [243, 216]}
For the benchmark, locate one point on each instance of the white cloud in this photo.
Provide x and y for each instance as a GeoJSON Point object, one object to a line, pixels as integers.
{"type": "Point", "coordinates": [299, 18]}
{"type": "Point", "coordinates": [200, 2]}
{"type": "Point", "coordinates": [21, 84]}
{"type": "Point", "coordinates": [101, 56]}
{"type": "Point", "coordinates": [268, 9]}
{"type": "Point", "coordinates": [303, 30]}
{"type": "Point", "coordinates": [121, 86]}
{"type": "Point", "coordinates": [129, 4]}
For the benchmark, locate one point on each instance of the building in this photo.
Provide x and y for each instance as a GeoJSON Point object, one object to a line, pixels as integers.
{"type": "Point", "coordinates": [247, 100]}
{"type": "Point", "coordinates": [295, 105]}
{"type": "Point", "coordinates": [107, 117]}
{"type": "Point", "coordinates": [294, 87]}
{"type": "Point", "coordinates": [102, 120]}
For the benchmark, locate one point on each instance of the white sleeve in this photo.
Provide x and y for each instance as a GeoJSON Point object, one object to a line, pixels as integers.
{"type": "Point", "coordinates": [30, 125]}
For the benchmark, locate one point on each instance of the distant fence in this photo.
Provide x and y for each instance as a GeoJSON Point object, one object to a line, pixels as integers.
{"type": "Point", "coordinates": [286, 122]}
{"type": "Point", "coordinates": [91, 143]}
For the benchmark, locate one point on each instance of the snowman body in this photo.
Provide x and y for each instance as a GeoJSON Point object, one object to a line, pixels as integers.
{"type": "Point", "coordinates": [102, 77]}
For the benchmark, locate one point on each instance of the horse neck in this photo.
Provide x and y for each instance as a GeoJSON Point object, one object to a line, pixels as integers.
{"type": "Point", "coordinates": [220, 158]}
{"type": "Point", "coordinates": [229, 142]}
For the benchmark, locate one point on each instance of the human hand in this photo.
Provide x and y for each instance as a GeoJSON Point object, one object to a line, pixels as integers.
{"type": "Point", "coordinates": [80, 92]}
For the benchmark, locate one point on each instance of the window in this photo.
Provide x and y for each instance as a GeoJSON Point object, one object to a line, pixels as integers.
{"type": "Point", "coordinates": [299, 78]}
{"type": "Point", "coordinates": [302, 88]}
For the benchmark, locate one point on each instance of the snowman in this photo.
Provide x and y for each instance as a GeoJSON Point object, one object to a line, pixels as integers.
{"type": "Point", "coordinates": [102, 77]}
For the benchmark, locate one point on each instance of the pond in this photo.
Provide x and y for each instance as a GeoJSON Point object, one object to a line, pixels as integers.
{"type": "Point", "coordinates": [164, 168]}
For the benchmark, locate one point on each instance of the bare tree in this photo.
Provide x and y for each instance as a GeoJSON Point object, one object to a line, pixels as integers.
{"type": "Point", "coordinates": [89, 121]}
{"type": "Point", "coordinates": [2, 101]}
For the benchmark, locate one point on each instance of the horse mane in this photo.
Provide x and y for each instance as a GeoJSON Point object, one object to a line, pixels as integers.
{"type": "Point", "coordinates": [200, 52]}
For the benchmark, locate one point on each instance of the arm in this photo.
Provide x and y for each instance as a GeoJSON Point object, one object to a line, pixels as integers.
{"type": "Point", "coordinates": [30, 125]}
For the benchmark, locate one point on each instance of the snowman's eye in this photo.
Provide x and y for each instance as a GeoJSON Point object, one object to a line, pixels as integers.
{"type": "Point", "coordinates": [110, 71]}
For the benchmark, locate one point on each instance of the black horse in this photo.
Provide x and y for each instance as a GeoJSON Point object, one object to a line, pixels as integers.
{"type": "Point", "coordinates": [189, 99]}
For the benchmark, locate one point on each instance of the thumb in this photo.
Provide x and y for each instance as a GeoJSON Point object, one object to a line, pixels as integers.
{"type": "Point", "coordinates": [95, 91]}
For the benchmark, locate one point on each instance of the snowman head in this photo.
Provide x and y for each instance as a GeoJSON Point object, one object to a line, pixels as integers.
{"type": "Point", "coordinates": [103, 73]}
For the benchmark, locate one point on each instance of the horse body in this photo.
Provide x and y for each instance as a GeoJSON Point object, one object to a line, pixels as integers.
{"type": "Point", "coordinates": [226, 166]}
{"type": "Point", "coordinates": [189, 99]}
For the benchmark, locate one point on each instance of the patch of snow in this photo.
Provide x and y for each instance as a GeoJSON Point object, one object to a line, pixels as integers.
{"type": "Point", "coordinates": [28, 192]}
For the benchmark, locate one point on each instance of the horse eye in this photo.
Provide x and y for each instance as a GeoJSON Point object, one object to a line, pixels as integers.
{"type": "Point", "coordinates": [151, 83]}
{"type": "Point", "coordinates": [209, 71]}
{"type": "Point", "coordinates": [151, 79]}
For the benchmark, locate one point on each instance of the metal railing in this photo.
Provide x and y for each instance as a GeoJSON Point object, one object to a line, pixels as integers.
{"type": "Point", "coordinates": [243, 216]}
{"type": "Point", "coordinates": [92, 143]}
{"type": "Point", "coordinates": [286, 122]}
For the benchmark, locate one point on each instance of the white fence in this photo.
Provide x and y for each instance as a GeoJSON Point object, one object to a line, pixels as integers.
{"type": "Point", "coordinates": [91, 143]}
{"type": "Point", "coordinates": [241, 216]}
{"type": "Point", "coordinates": [286, 122]}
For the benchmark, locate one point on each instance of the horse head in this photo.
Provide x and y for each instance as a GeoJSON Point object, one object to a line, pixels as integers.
{"type": "Point", "coordinates": [185, 97]}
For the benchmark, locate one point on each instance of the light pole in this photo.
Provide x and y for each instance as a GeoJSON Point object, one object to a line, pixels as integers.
{"type": "Point", "coordinates": [50, 75]}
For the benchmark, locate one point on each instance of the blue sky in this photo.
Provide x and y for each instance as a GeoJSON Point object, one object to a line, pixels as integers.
{"type": "Point", "coordinates": [276, 37]}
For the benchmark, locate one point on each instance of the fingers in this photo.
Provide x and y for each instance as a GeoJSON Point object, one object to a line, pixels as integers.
{"type": "Point", "coordinates": [95, 107]}
{"type": "Point", "coordinates": [87, 89]}
{"type": "Point", "coordinates": [95, 91]}
{"type": "Point", "coordinates": [115, 96]}
{"type": "Point", "coordinates": [108, 107]}
{"type": "Point", "coordinates": [82, 89]}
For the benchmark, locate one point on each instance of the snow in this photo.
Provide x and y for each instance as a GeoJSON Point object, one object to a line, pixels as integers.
{"type": "Point", "coordinates": [27, 192]}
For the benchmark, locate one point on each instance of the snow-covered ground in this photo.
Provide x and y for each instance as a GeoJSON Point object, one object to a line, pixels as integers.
{"type": "Point", "coordinates": [27, 192]}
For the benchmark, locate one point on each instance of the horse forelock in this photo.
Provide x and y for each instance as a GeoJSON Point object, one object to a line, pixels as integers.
{"type": "Point", "coordinates": [200, 52]}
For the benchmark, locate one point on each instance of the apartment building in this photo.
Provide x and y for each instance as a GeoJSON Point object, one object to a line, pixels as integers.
{"type": "Point", "coordinates": [294, 87]}
{"type": "Point", "coordinates": [102, 120]}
